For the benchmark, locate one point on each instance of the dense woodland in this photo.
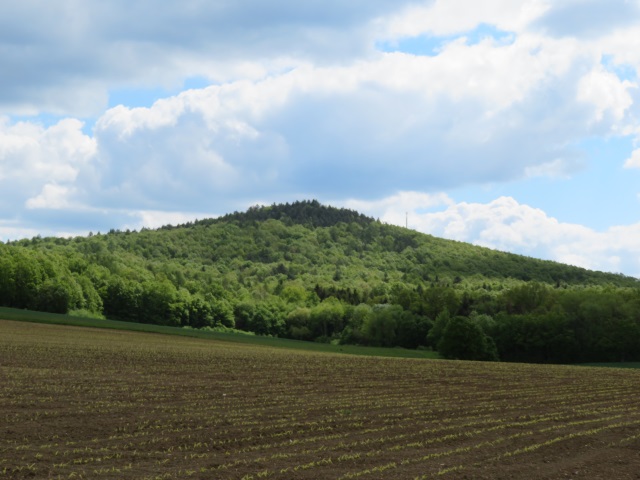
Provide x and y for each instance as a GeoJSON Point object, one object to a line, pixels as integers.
{"type": "Point", "coordinates": [319, 273]}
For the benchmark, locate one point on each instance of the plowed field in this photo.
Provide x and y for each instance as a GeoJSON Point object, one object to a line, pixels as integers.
{"type": "Point", "coordinates": [88, 403]}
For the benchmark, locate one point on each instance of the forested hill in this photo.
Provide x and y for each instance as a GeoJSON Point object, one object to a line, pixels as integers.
{"type": "Point", "coordinates": [315, 272]}
{"type": "Point", "coordinates": [355, 233]}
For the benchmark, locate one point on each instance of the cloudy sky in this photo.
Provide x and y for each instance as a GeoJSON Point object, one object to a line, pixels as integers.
{"type": "Point", "coordinates": [513, 124]}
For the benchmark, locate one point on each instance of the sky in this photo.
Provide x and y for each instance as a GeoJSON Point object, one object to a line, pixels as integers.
{"type": "Point", "coordinates": [511, 124]}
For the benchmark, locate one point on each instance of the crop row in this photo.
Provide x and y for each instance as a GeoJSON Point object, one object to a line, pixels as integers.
{"type": "Point", "coordinates": [105, 404]}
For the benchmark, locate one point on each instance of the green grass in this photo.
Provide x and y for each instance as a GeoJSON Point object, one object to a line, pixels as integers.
{"type": "Point", "coordinates": [614, 365]}
{"type": "Point", "coordinates": [58, 319]}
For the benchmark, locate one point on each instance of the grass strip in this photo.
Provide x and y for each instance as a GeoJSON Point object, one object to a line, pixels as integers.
{"type": "Point", "coordinates": [59, 319]}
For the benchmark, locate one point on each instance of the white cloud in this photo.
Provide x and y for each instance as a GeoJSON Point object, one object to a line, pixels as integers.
{"type": "Point", "coordinates": [64, 58]}
{"type": "Point", "coordinates": [52, 196]}
{"type": "Point", "coordinates": [13, 231]}
{"type": "Point", "coordinates": [587, 19]}
{"type": "Point", "coordinates": [606, 92]}
{"type": "Point", "coordinates": [487, 112]}
{"type": "Point", "coordinates": [624, 45]}
{"type": "Point", "coordinates": [634, 160]}
{"type": "Point", "coordinates": [558, 168]}
{"type": "Point", "coordinates": [37, 163]}
{"type": "Point", "coordinates": [446, 17]}
{"type": "Point", "coordinates": [31, 150]}
{"type": "Point", "coordinates": [76, 52]}
{"type": "Point", "coordinates": [467, 115]}
{"type": "Point", "coordinates": [303, 104]}
{"type": "Point", "coordinates": [394, 209]}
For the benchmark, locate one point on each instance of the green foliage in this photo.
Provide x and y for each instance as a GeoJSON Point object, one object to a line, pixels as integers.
{"type": "Point", "coordinates": [439, 326]}
{"type": "Point", "coordinates": [222, 313]}
{"type": "Point", "coordinates": [463, 339]}
{"type": "Point", "coordinates": [312, 272]}
{"type": "Point", "coordinates": [298, 324]}
{"type": "Point", "coordinates": [380, 328]}
{"type": "Point", "coordinates": [353, 332]}
{"type": "Point", "coordinates": [308, 213]}
{"type": "Point", "coordinates": [264, 318]}
{"type": "Point", "coordinates": [541, 338]}
{"type": "Point", "coordinates": [327, 319]}
{"type": "Point", "coordinates": [7, 279]}
{"type": "Point", "coordinates": [525, 298]}
{"type": "Point", "coordinates": [28, 277]}
{"type": "Point", "coordinates": [195, 312]}
{"type": "Point", "coordinates": [81, 313]}
{"type": "Point", "coordinates": [409, 330]}
{"type": "Point", "coordinates": [122, 299]}
{"type": "Point", "coordinates": [54, 297]}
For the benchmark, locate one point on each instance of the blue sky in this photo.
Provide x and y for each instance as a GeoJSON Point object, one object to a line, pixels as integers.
{"type": "Point", "coordinates": [513, 124]}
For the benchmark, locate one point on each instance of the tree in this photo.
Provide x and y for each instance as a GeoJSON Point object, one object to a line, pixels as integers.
{"type": "Point", "coordinates": [28, 276]}
{"type": "Point", "coordinates": [7, 279]}
{"type": "Point", "coordinates": [243, 313]}
{"type": "Point", "coordinates": [222, 313]}
{"type": "Point", "coordinates": [435, 333]}
{"type": "Point", "coordinates": [297, 324]}
{"type": "Point", "coordinates": [295, 294]}
{"type": "Point", "coordinates": [407, 330]}
{"type": "Point", "coordinates": [327, 318]}
{"type": "Point", "coordinates": [463, 339]}
{"type": "Point", "coordinates": [53, 297]}
{"type": "Point", "coordinates": [526, 298]}
{"type": "Point", "coordinates": [380, 329]}
{"type": "Point", "coordinates": [353, 332]}
{"type": "Point", "coordinates": [199, 313]}
{"type": "Point", "coordinates": [539, 338]}
{"type": "Point", "coordinates": [121, 299]}
{"type": "Point", "coordinates": [91, 300]}
{"type": "Point", "coordinates": [437, 299]}
{"type": "Point", "coordinates": [263, 318]}
{"type": "Point", "coordinates": [156, 303]}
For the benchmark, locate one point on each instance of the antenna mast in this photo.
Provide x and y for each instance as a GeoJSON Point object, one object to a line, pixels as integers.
{"type": "Point", "coordinates": [407, 220]}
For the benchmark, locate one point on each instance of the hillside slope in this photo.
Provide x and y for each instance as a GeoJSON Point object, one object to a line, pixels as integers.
{"type": "Point", "coordinates": [309, 271]}
{"type": "Point", "coordinates": [307, 232]}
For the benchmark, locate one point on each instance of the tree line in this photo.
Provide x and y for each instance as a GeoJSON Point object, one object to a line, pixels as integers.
{"type": "Point", "coordinates": [301, 271]}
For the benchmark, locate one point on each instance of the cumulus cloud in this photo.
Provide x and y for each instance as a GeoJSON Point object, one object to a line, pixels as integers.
{"type": "Point", "coordinates": [587, 18]}
{"type": "Point", "coordinates": [486, 112]}
{"type": "Point", "coordinates": [607, 93]}
{"type": "Point", "coordinates": [64, 57]}
{"type": "Point", "coordinates": [395, 209]}
{"type": "Point", "coordinates": [475, 113]}
{"type": "Point", "coordinates": [38, 163]}
{"type": "Point", "coordinates": [52, 196]}
{"type": "Point", "coordinates": [304, 101]}
{"type": "Point", "coordinates": [447, 17]}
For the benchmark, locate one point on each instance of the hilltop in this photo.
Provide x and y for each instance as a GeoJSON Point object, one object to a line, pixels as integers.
{"type": "Point", "coordinates": [314, 272]}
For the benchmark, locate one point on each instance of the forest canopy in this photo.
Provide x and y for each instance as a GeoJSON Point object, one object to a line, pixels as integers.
{"type": "Point", "coordinates": [319, 273]}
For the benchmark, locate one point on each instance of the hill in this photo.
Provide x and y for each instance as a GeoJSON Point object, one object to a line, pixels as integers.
{"type": "Point", "coordinates": [314, 272]}
{"type": "Point", "coordinates": [345, 233]}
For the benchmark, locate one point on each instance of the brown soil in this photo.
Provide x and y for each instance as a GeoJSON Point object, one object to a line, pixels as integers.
{"type": "Point", "coordinates": [85, 403]}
